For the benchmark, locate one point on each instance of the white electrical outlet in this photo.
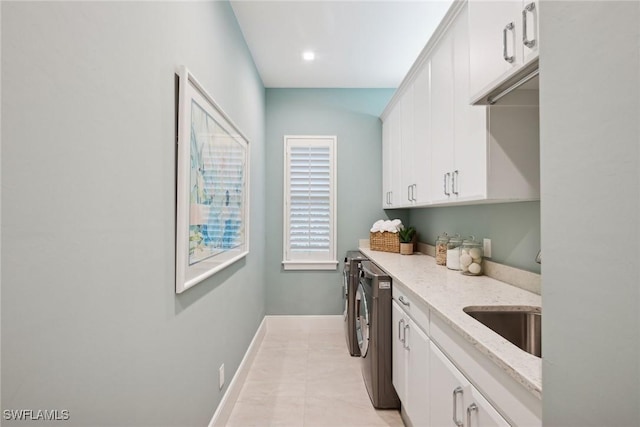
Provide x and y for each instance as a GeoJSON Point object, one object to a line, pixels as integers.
{"type": "Point", "coordinates": [221, 376]}
{"type": "Point", "coordinates": [487, 248]}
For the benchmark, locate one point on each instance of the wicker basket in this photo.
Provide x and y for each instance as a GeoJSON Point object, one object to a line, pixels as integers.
{"type": "Point", "coordinates": [384, 241]}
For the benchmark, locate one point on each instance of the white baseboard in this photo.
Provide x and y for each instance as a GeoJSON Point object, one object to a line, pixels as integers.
{"type": "Point", "coordinates": [221, 416]}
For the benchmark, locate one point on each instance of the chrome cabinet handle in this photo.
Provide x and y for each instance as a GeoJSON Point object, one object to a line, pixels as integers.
{"type": "Point", "coordinates": [505, 54]}
{"type": "Point", "coordinates": [528, 8]}
{"type": "Point", "coordinates": [414, 188]}
{"type": "Point", "coordinates": [404, 301]}
{"type": "Point", "coordinates": [456, 391]}
{"type": "Point", "coordinates": [454, 182]}
{"type": "Point", "coordinates": [446, 181]}
{"type": "Point", "coordinates": [406, 344]}
{"type": "Point", "coordinates": [401, 328]}
{"type": "Point", "coordinates": [472, 408]}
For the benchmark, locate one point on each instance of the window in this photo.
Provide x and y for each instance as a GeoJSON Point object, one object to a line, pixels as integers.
{"type": "Point", "coordinates": [310, 203]}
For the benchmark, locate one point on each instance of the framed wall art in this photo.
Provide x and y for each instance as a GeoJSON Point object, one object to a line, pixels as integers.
{"type": "Point", "coordinates": [212, 214]}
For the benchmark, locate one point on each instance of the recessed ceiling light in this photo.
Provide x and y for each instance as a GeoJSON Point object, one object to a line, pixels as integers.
{"type": "Point", "coordinates": [308, 55]}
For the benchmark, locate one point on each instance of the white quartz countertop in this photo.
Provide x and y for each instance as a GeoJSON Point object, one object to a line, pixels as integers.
{"type": "Point", "coordinates": [446, 293]}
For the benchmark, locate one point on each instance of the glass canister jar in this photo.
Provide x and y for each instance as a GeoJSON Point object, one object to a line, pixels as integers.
{"type": "Point", "coordinates": [441, 249]}
{"type": "Point", "coordinates": [471, 255]}
{"type": "Point", "coordinates": [453, 252]}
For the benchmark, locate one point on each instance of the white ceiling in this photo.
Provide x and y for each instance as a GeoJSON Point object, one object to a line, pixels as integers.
{"type": "Point", "coordinates": [357, 43]}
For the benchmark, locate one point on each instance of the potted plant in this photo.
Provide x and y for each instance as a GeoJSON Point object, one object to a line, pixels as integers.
{"type": "Point", "coordinates": [406, 240]}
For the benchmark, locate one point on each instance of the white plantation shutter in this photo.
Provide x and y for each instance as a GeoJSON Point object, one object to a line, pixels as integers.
{"type": "Point", "coordinates": [309, 215]}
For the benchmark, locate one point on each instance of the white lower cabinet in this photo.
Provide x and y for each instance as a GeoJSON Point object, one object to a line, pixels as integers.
{"type": "Point", "coordinates": [411, 366]}
{"type": "Point", "coordinates": [454, 401]}
{"type": "Point", "coordinates": [442, 380]}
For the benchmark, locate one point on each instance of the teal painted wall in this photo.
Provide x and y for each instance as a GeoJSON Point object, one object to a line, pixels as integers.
{"type": "Point", "coordinates": [352, 115]}
{"type": "Point", "coordinates": [90, 319]}
{"type": "Point", "coordinates": [514, 229]}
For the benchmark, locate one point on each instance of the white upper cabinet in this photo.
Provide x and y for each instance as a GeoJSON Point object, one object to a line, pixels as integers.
{"type": "Point", "coordinates": [470, 124]}
{"type": "Point", "coordinates": [419, 157]}
{"type": "Point", "coordinates": [391, 160]}
{"type": "Point", "coordinates": [504, 37]}
{"type": "Point", "coordinates": [441, 150]}
{"type": "Point", "coordinates": [406, 146]}
{"type": "Point", "coordinates": [459, 155]}
{"type": "Point", "coordinates": [442, 120]}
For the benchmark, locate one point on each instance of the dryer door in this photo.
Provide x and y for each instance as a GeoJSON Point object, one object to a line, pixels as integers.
{"type": "Point", "coordinates": [345, 291]}
{"type": "Point", "coordinates": [363, 320]}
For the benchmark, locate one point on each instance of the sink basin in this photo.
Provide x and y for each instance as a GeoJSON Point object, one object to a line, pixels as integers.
{"type": "Point", "coordinates": [519, 325]}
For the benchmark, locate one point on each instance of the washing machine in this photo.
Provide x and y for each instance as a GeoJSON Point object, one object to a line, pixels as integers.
{"type": "Point", "coordinates": [350, 275]}
{"type": "Point", "coordinates": [373, 331]}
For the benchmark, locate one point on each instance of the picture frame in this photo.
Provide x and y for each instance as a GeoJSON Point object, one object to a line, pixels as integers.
{"type": "Point", "coordinates": [212, 194]}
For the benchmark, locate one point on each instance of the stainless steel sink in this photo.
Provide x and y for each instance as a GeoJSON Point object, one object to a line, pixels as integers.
{"type": "Point", "coordinates": [519, 325]}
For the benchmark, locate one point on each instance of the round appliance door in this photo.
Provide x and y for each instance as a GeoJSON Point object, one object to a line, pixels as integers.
{"type": "Point", "coordinates": [363, 317]}
{"type": "Point", "coordinates": [345, 292]}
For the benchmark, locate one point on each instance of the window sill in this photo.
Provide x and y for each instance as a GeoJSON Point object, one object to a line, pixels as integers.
{"type": "Point", "coordinates": [310, 265]}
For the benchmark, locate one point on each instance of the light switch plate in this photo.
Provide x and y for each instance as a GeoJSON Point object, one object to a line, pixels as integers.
{"type": "Point", "coordinates": [486, 243]}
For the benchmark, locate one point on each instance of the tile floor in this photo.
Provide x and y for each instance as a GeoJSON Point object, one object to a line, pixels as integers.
{"type": "Point", "coordinates": [304, 376]}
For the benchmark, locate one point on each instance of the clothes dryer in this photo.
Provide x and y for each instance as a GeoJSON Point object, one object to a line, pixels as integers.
{"type": "Point", "coordinates": [373, 330]}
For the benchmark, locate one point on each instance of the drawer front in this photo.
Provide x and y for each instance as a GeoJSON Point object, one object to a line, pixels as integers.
{"type": "Point", "coordinates": [416, 311]}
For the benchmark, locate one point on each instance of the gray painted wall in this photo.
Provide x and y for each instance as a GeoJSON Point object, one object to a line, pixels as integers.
{"type": "Point", "coordinates": [90, 320]}
{"type": "Point", "coordinates": [352, 115]}
{"type": "Point", "coordinates": [514, 229]}
{"type": "Point", "coordinates": [590, 165]}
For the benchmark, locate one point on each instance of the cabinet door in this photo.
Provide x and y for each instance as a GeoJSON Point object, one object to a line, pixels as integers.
{"type": "Point", "coordinates": [399, 356]}
{"type": "Point", "coordinates": [489, 23]}
{"type": "Point", "coordinates": [455, 401]}
{"type": "Point", "coordinates": [417, 402]}
{"type": "Point", "coordinates": [420, 160]}
{"type": "Point", "coordinates": [469, 180]}
{"type": "Point", "coordinates": [391, 151]}
{"type": "Point", "coordinates": [442, 134]}
{"type": "Point", "coordinates": [447, 390]}
{"type": "Point", "coordinates": [386, 164]}
{"type": "Point", "coordinates": [407, 172]}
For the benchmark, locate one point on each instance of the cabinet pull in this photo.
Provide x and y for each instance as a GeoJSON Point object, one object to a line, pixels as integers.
{"type": "Point", "coordinates": [446, 181]}
{"type": "Point", "coordinates": [454, 182]}
{"type": "Point", "coordinates": [472, 408]}
{"type": "Point", "coordinates": [528, 8]}
{"type": "Point", "coordinates": [404, 301]}
{"type": "Point", "coordinates": [401, 328]}
{"type": "Point", "coordinates": [505, 54]}
{"type": "Point", "coordinates": [456, 391]}
{"type": "Point", "coordinates": [406, 343]}
{"type": "Point", "coordinates": [414, 188]}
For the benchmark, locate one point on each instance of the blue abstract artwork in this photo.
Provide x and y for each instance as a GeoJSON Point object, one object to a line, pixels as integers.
{"type": "Point", "coordinates": [217, 185]}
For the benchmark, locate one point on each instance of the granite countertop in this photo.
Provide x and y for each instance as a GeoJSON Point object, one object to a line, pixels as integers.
{"type": "Point", "coordinates": [445, 293]}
